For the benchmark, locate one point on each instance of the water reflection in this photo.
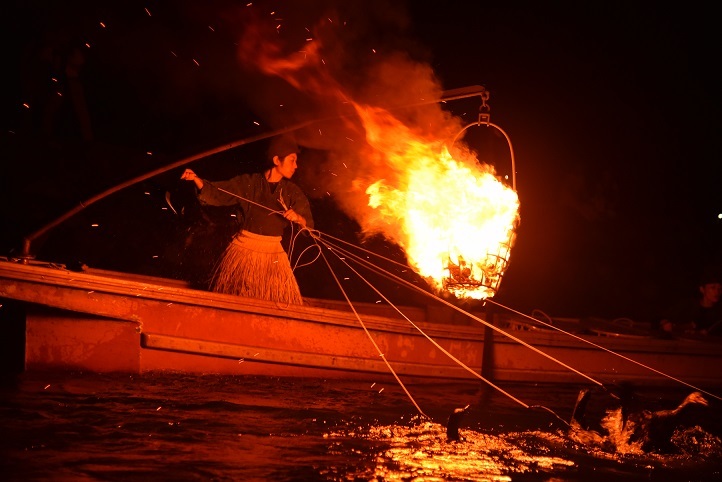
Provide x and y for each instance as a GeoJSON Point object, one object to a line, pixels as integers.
{"type": "Point", "coordinates": [175, 427]}
{"type": "Point", "coordinates": [421, 451]}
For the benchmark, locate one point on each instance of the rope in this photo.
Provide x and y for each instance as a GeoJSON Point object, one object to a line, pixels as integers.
{"type": "Point", "coordinates": [317, 238]}
{"type": "Point", "coordinates": [442, 349]}
{"type": "Point", "coordinates": [470, 315]}
{"type": "Point", "coordinates": [271, 211]}
{"type": "Point", "coordinates": [383, 357]}
{"type": "Point", "coordinates": [589, 342]}
{"type": "Point", "coordinates": [388, 275]}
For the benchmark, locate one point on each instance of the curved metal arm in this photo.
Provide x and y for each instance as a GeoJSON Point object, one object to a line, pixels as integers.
{"type": "Point", "coordinates": [508, 140]}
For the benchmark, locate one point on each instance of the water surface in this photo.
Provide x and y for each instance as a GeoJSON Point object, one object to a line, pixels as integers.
{"type": "Point", "coordinates": [167, 426]}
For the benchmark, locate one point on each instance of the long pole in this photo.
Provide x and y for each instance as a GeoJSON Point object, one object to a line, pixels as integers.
{"type": "Point", "coordinates": [186, 160]}
{"type": "Point", "coordinates": [455, 94]}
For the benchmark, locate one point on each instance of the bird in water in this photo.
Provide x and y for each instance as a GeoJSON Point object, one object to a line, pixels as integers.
{"type": "Point", "coordinates": [641, 431]}
{"type": "Point", "coordinates": [452, 426]}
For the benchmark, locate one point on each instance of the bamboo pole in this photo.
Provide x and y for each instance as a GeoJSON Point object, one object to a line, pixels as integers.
{"type": "Point", "coordinates": [455, 94]}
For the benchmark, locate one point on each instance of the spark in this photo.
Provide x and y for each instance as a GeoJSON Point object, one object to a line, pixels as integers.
{"type": "Point", "coordinates": [211, 28]}
{"type": "Point", "coordinates": [256, 122]}
{"type": "Point", "coordinates": [320, 133]}
{"type": "Point", "coordinates": [26, 105]}
{"type": "Point", "coordinates": [148, 12]}
{"type": "Point", "coordinates": [102, 24]}
{"type": "Point", "coordinates": [373, 50]}
{"type": "Point", "coordinates": [196, 62]}
{"type": "Point", "coordinates": [344, 165]}
{"type": "Point", "coordinates": [46, 387]}
{"type": "Point", "coordinates": [146, 193]}
{"type": "Point", "coordinates": [373, 384]}
{"type": "Point", "coordinates": [350, 139]}
{"type": "Point", "coordinates": [381, 390]}
{"type": "Point", "coordinates": [157, 409]}
{"type": "Point", "coordinates": [174, 54]}
{"type": "Point", "coordinates": [149, 153]}
{"type": "Point", "coordinates": [91, 292]}
{"type": "Point", "coordinates": [87, 45]}
{"type": "Point", "coordinates": [95, 225]}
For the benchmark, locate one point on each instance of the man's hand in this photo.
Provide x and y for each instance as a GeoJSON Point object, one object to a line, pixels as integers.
{"type": "Point", "coordinates": [294, 217]}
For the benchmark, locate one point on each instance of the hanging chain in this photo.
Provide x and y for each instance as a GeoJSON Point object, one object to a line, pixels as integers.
{"type": "Point", "coordinates": [484, 109]}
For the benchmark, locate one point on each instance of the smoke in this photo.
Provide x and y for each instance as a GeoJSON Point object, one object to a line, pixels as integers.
{"type": "Point", "coordinates": [333, 68]}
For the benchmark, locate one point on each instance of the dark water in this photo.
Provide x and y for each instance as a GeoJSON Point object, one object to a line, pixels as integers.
{"type": "Point", "coordinates": [78, 426]}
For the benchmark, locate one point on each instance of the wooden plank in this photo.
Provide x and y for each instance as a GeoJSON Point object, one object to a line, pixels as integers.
{"type": "Point", "coordinates": [252, 354]}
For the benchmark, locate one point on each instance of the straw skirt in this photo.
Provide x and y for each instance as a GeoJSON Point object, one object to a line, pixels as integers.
{"type": "Point", "coordinates": [256, 266]}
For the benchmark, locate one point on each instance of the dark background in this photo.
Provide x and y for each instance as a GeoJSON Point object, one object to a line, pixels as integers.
{"type": "Point", "coordinates": [613, 109]}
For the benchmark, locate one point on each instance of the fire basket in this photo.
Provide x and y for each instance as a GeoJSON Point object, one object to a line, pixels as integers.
{"type": "Point", "coordinates": [481, 279]}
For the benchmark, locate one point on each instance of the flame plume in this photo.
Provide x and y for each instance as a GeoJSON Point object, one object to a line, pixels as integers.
{"type": "Point", "coordinates": [454, 219]}
{"type": "Point", "coordinates": [452, 216]}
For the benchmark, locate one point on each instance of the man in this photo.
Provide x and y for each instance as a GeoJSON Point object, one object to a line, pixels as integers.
{"type": "Point", "coordinates": [625, 430]}
{"type": "Point", "coordinates": [701, 315]}
{"type": "Point", "coordinates": [254, 264]}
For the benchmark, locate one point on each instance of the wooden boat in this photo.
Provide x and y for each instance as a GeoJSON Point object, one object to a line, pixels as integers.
{"type": "Point", "coordinates": [105, 321]}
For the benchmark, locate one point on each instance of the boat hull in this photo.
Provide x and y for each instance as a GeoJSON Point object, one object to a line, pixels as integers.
{"type": "Point", "coordinates": [112, 322]}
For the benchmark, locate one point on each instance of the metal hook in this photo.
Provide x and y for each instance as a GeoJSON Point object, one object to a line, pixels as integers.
{"type": "Point", "coordinates": [484, 109]}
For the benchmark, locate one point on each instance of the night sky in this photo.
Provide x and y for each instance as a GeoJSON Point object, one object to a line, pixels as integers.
{"type": "Point", "coordinates": [613, 109]}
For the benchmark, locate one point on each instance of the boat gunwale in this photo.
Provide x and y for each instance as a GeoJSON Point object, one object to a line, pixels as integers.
{"type": "Point", "coordinates": [107, 283]}
{"type": "Point", "coordinates": [167, 290]}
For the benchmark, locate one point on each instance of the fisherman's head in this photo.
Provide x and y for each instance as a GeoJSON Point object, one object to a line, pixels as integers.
{"type": "Point", "coordinates": [281, 147]}
{"type": "Point", "coordinates": [710, 287]}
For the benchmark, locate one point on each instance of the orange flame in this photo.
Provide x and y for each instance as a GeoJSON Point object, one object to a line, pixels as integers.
{"type": "Point", "coordinates": [454, 218]}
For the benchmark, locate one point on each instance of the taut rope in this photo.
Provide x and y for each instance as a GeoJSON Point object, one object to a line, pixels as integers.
{"type": "Point", "coordinates": [340, 252]}
{"type": "Point", "coordinates": [443, 350]}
